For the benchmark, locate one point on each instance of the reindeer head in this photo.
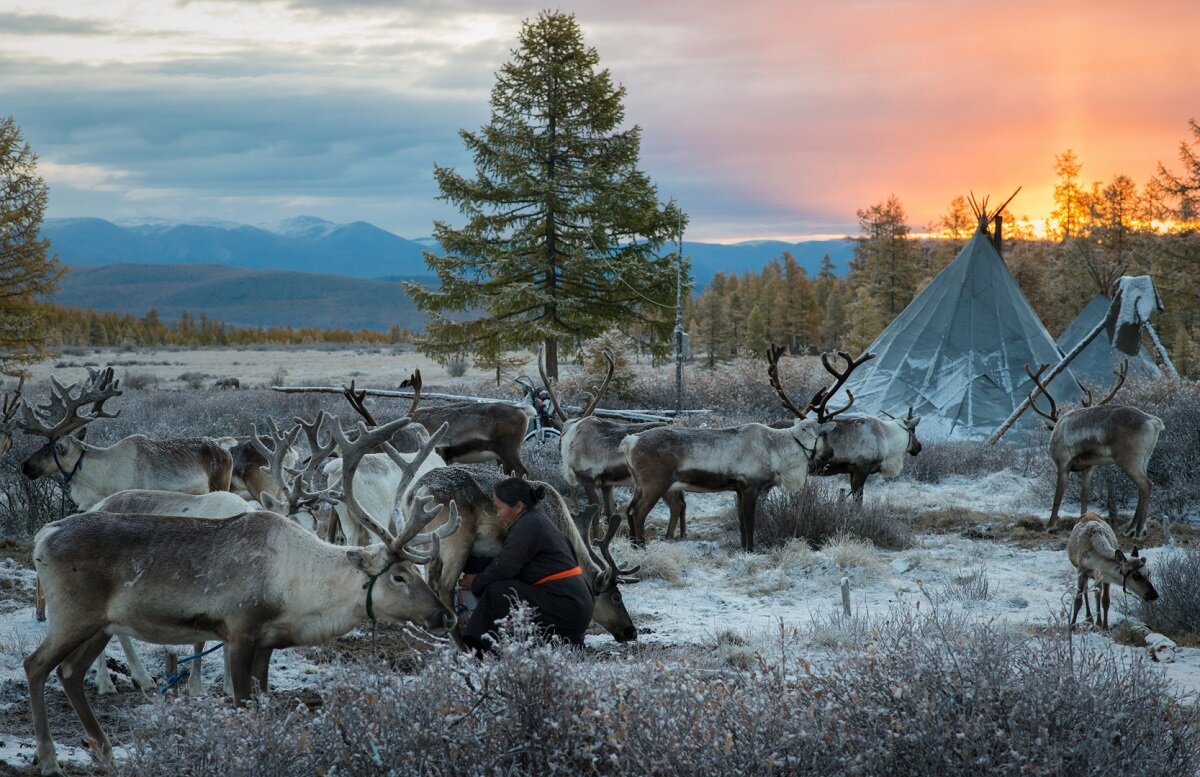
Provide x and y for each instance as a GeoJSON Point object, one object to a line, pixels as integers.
{"type": "Point", "coordinates": [1131, 570]}
{"type": "Point", "coordinates": [559, 418]}
{"type": "Point", "coordinates": [60, 423]}
{"type": "Point", "coordinates": [609, 609]}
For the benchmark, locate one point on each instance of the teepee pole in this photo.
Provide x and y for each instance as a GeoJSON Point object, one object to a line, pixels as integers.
{"type": "Point", "coordinates": [1162, 351]}
{"type": "Point", "coordinates": [1062, 365]}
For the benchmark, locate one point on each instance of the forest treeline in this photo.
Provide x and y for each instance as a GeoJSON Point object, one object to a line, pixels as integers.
{"type": "Point", "coordinates": [1096, 233]}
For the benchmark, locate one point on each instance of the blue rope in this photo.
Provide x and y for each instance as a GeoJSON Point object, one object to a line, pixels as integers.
{"type": "Point", "coordinates": [174, 679]}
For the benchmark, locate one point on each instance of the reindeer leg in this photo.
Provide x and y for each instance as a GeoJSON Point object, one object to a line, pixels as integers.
{"type": "Point", "coordinates": [678, 508]}
{"type": "Point", "coordinates": [609, 506]}
{"type": "Point", "coordinates": [1137, 526]}
{"type": "Point", "coordinates": [39, 600]}
{"type": "Point", "coordinates": [1080, 599]}
{"type": "Point", "coordinates": [227, 683]}
{"type": "Point", "coordinates": [1085, 489]}
{"type": "Point", "coordinates": [747, 502]}
{"type": "Point", "coordinates": [510, 461]}
{"type": "Point", "coordinates": [241, 667]}
{"type": "Point", "coordinates": [260, 667]}
{"type": "Point", "coordinates": [195, 681]}
{"type": "Point", "coordinates": [1060, 488]}
{"type": "Point", "coordinates": [71, 673]}
{"type": "Point", "coordinates": [1103, 612]}
{"type": "Point", "coordinates": [53, 651]}
{"type": "Point", "coordinates": [637, 511]}
{"type": "Point", "coordinates": [858, 482]}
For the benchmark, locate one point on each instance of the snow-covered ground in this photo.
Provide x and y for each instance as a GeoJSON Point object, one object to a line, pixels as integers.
{"type": "Point", "coordinates": [700, 591]}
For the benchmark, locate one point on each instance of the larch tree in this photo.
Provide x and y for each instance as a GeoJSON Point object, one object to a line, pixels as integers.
{"type": "Point", "coordinates": [563, 231]}
{"type": "Point", "coordinates": [883, 272]}
{"type": "Point", "coordinates": [28, 271]}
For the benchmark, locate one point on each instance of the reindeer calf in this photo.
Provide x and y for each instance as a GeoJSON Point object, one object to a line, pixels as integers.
{"type": "Point", "coordinates": [1093, 551]}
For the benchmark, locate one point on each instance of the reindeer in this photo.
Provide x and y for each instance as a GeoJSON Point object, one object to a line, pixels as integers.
{"type": "Point", "coordinates": [591, 455]}
{"type": "Point", "coordinates": [478, 431]}
{"type": "Point", "coordinates": [481, 535]}
{"type": "Point", "coordinates": [858, 446]}
{"type": "Point", "coordinates": [297, 503]}
{"type": "Point", "coordinates": [1092, 549]}
{"type": "Point", "coordinates": [192, 465]}
{"type": "Point", "coordinates": [8, 416]}
{"type": "Point", "coordinates": [257, 582]}
{"type": "Point", "coordinates": [748, 460]}
{"type": "Point", "coordinates": [250, 476]}
{"type": "Point", "coordinates": [1097, 434]}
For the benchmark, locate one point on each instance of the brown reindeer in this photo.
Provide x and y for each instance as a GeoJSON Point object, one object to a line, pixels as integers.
{"type": "Point", "coordinates": [748, 460]}
{"type": "Point", "coordinates": [192, 465]}
{"type": "Point", "coordinates": [591, 451]}
{"type": "Point", "coordinates": [1092, 549]}
{"type": "Point", "coordinates": [478, 432]}
{"type": "Point", "coordinates": [257, 582]}
{"type": "Point", "coordinates": [1089, 436]}
{"type": "Point", "coordinates": [482, 535]}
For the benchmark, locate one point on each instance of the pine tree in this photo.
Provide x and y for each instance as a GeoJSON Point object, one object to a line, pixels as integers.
{"type": "Point", "coordinates": [563, 231]}
{"type": "Point", "coordinates": [27, 270]}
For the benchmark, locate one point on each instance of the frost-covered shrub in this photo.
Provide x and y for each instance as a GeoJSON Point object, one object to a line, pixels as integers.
{"type": "Point", "coordinates": [970, 585]}
{"type": "Point", "coordinates": [914, 693]}
{"type": "Point", "coordinates": [1176, 611]}
{"type": "Point", "coordinates": [544, 462]}
{"type": "Point", "coordinates": [139, 381]}
{"type": "Point", "coordinates": [942, 459]}
{"type": "Point", "coordinates": [26, 505]}
{"type": "Point", "coordinates": [815, 515]}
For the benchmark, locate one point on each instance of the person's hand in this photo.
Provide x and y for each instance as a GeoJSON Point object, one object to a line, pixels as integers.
{"type": "Point", "coordinates": [466, 581]}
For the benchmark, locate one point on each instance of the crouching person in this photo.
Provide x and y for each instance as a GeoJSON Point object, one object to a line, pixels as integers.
{"type": "Point", "coordinates": [536, 565]}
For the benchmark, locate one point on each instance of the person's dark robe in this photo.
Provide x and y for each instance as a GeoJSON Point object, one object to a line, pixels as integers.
{"type": "Point", "coordinates": [533, 550]}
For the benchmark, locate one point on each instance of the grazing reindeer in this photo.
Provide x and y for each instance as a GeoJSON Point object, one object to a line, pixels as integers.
{"type": "Point", "coordinates": [591, 452]}
{"type": "Point", "coordinates": [8, 416]}
{"type": "Point", "coordinates": [858, 446]}
{"type": "Point", "coordinates": [748, 460]}
{"type": "Point", "coordinates": [257, 582]}
{"type": "Point", "coordinates": [1093, 551]}
{"type": "Point", "coordinates": [482, 535]}
{"type": "Point", "coordinates": [250, 476]}
{"type": "Point", "coordinates": [1092, 435]}
{"type": "Point", "coordinates": [192, 465]}
{"type": "Point", "coordinates": [297, 503]}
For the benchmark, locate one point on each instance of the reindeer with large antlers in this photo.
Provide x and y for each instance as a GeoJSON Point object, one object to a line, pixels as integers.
{"type": "Point", "coordinates": [591, 451]}
{"type": "Point", "coordinates": [298, 502]}
{"type": "Point", "coordinates": [1096, 434]}
{"type": "Point", "coordinates": [748, 460]}
{"type": "Point", "coordinates": [858, 446]}
{"type": "Point", "coordinates": [482, 535]}
{"type": "Point", "coordinates": [477, 432]}
{"type": "Point", "coordinates": [257, 582]}
{"type": "Point", "coordinates": [191, 465]}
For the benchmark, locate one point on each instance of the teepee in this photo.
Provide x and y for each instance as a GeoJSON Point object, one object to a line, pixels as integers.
{"type": "Point", "coordinates": [1094, 365]}
{"type": "Point", "coordinates": [957, 353]}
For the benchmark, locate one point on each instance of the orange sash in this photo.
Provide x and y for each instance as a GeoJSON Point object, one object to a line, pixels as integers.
{"type": "Point", "coordinates": [572, 572]}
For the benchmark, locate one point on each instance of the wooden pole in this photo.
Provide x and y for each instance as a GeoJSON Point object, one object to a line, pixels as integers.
{"type": "Point", "coordinates": [1162, 351]}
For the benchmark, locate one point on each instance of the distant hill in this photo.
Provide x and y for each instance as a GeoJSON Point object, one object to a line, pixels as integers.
{"type": "Point", "coordinates": [241, 297]}
{"type": "Point", "coordinates": [358, 249]}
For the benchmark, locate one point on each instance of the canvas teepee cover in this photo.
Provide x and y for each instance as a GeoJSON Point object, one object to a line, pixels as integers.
{"type": "Point", "coordinates": [1095, 363]}
{"type": "Point", "coordinates": [957, 353]}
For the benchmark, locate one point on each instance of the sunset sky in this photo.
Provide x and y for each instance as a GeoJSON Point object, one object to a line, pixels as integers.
{"type": "Point", "coordinates": [764, 119]}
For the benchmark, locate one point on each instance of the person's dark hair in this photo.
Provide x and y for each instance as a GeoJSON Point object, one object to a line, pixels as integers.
{"type": "Point", "coordinates": [513, 490]}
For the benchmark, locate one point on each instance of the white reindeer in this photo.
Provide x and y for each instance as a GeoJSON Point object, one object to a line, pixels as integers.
{"type": "Point", "coordinates": [193, 465]}
{"type": "Point", "coordinates": [257, 582]}
{"type": "Point", "coordinates": [1092, 549]}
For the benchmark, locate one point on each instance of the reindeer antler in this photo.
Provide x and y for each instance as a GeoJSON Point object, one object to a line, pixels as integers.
{"type": "Point", "coordinates": [12, 401]}
{"type": "Point", "coordinates": [773, 354]}
{"type": "Point", "coordinates": [1121, 372]}
{"type": "Point", "coordinates": [60, 416]}
{"type": "Point", "coordinates": [358, 400]}
{"type": "Point", "coordinates": [614, 523]}
{"type": "Point", "coordinates": [594, 399]}
{"type": "Point", "coordinates": [281, 442]}
{"type": "Point", "coordinates": [558, 411]}
{"type": "Point", "coordinates": [820, 400]}
{"type": "Point", "coordinates": [1041, 387]}
{"type": "Point", "coordinates": [414, 382]}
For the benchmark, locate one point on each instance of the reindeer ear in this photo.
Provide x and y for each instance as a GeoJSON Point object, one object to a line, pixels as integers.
{"type": "Point", "coordinates": [1135, 552]}
{"type": "Point", "coordinates": [1119, 556]}
{"type": "Point", "coordinates": [269, 502]}
{"type": "Point", "coordinates": [371, 559]}
{"type": "Point", "coordinates": [82, 433]}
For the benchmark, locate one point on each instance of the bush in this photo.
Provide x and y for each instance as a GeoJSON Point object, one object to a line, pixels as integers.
{"type": "Point", "coordinates": [938, 460]}
{"type": "Point", "coordinates": [816, 516]}
{"type": "Point", "coordinates": [193, 380]}
{"type": "Point", "coordinates": [1176, 611]}
{"type": "Point", "coordinates": [139, 381]}
{"type": "Point", "coordinates": [456, 366]}
{"type": "Point", "coordinates": [919, 693]}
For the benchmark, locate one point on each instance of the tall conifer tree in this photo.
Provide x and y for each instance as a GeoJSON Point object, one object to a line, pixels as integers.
{"type": "Point", "coordinates": [563, 231]}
